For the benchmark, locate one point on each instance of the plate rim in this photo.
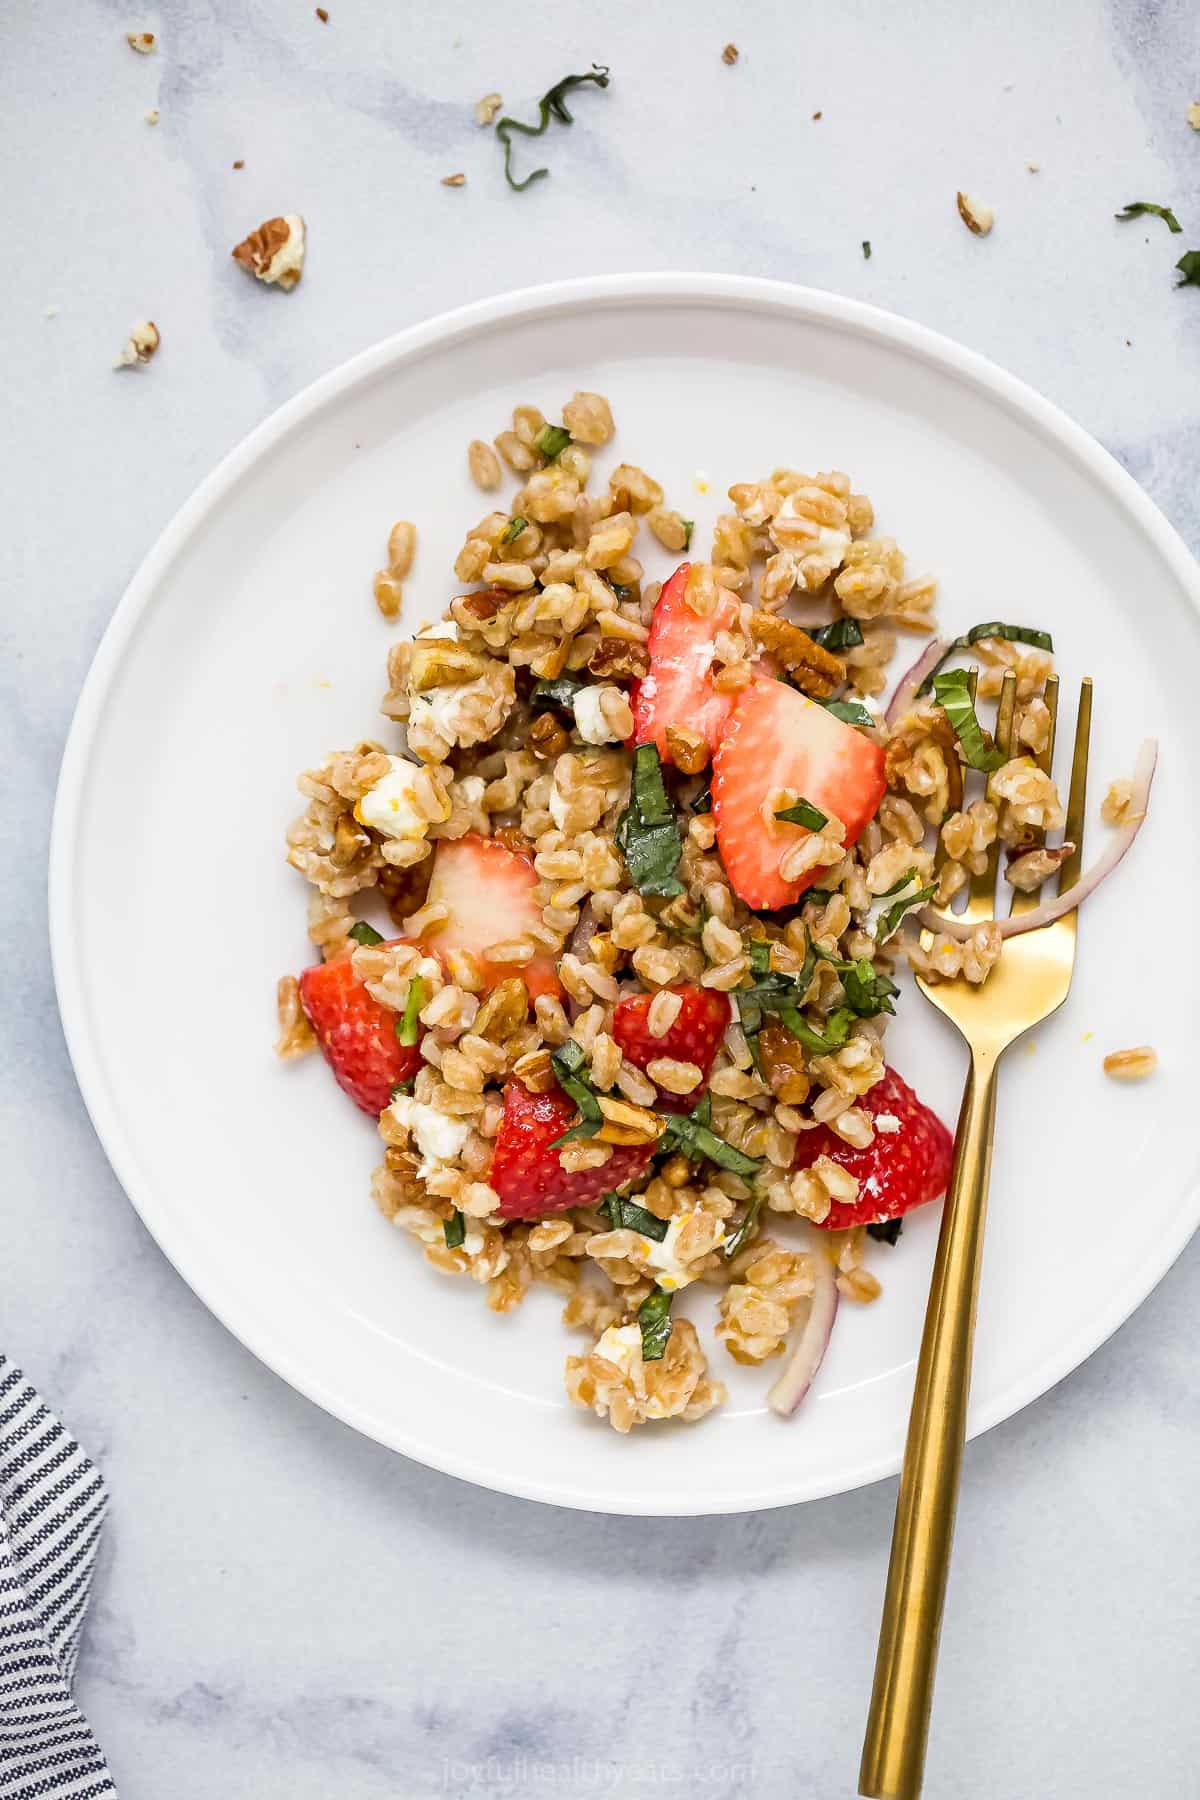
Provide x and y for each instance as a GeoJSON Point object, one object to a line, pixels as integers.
{"type": "Point", "coordinates": [749, 293]}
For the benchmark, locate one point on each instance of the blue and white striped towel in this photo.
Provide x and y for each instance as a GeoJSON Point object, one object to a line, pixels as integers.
{"type": "Point", "coordinates": [52, 1505]}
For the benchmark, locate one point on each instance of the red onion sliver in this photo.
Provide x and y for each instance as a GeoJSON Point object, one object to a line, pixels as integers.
{"type": "Point", "coordinates": [906, 692]}
{"type": "Point", "coordinates": [802, 1365]}
{"type": "Point", "coordinates": [581, 937]}
{"type": "Point", "coordinates": [1143, 775]}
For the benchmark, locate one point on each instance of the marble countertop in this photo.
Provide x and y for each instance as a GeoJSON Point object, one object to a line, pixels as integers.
{"type": "Point", "coordinates": [283, 1607]}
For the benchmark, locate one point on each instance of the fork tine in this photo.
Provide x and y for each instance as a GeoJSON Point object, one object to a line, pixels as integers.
{"type": "Point", "coordinates": [1068, 875]}
{"type": "Point", "coordinates": [1022, 903]}
{"type": "Point", "coordinates": [981, 902]}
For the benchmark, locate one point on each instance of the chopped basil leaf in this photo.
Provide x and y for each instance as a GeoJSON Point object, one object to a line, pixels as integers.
{"type": "Point", "coordinates": [1136, 208]}
{"type": "Point", "coordinates": [837, 1029]}
{"type": "Point", "coordinates": [513, 530]}
{"type": "Point", "coordinates": [885, 1231]}
{"type": "Point", "coordinates": [689, 525]}
{"type": "Point", "coordinates": [654, 1317]}
{"type": "Point", "coordinates": [560, 692]}
{"type": "Point", "coordinates": [747, 1229]}
{"type": "Point", "coordinates": [454, 1229]}
{"type": "Point", "coordinates": [627, 1215]}
{"type": "Point", "coordinates": [408, 1028]}
{"type": "Point", "coordinates": [692, 1133]}
{"type": "Point", "coordinates": [401, 1088]}
{"type": "Point", "coordinates": [621, 591]}
{"type": "Point", "coordinates": [647, 834]}
{"type": "Point", "coordinates": [821, 895]}
{"type": "Point", "coordinates": [904, 895]}
{"type": "Point", "coordinates": [839, 634]}
{"type": "Point", "coordinates": [760, 954]}
{"type": "Point", "coordinates": [362, 933]}
{"type": "Point", "coordinates": [849, 711]}
{"type": "Point", "coordinates": [703, 801]}
{"type": "Point", "coordinates": [551, 105]}
{"type": "Point", "coordinates": [866, 248]}
{"type": "Point", "coordinates": [868, 992]}
{"type": "Point", "coordinates": [1189, 267]}
{"type": "Point", "coordinates": [552, 440]}
{"type": "Point", "coordinates": [567, 1062]}
{"type": "Point", "coordinates": [952, 691]}
{"type": "Point", "coordinates": [804, 813]}
{"type": "Point", "coordinates": [991, 628]}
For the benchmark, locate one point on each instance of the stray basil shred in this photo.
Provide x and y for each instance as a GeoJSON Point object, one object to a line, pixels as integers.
{"type": "Point", "coordinates": [513, 530]}
{"type": "Point", "coordinates": [627, 1215]}
{"type": "Point", "coordinates": [552, 440]}
{"type": "Point", "coordinates": [850, 712]}
{"type": "Point", "coordinates": [748, 1227]}
{"type": "Point", "coordinates": [693, 1134]}
{"type": "Point", "coordinates": [952, 691]}
{"type": "Point", "coordinates": [1189, 269]}
{"type": "Point", "coordinates": [552, 105]}
{"type": "Point", "coordinates": [408, 1026]}
{"type": "Point", "coordinates": [991, 628]}
{"type": "Point", "coordinates": [654, 1317]}
{"type": "Point", "coordinates": [647, 834]}
{"type": "Point", "coordinates": [1136, 208]}
{"type": "Point", "coordinates": [362, 933]}
{"type": "Point", "coordinates": [454, 1229]}
{"type": "Point", "coordinates": [885, 1231]}
{"type": "Point", "coordinates": [559, 692]}
{"type": "Point", "coordinates": [888, 920]}
{"type": "Point", "coordinates": [804, 813]}
{"type": "Point", "coordinates": [839, 634]}
{"type": "Point", "coordinates": [567, 1063]}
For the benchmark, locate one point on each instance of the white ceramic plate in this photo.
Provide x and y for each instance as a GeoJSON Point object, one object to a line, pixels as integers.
{"type": "Point", "coordinates": [248, 646]}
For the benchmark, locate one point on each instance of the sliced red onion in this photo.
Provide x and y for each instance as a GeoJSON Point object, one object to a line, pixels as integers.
{"type": "Point", "coordinates": [801, 1368]}
{"type": "Point", "coordinates": [906, 692]}
{"type": "Point", "coordinates": [581, 937]}
{"type": "Point", "coordinates": [1089, 881]}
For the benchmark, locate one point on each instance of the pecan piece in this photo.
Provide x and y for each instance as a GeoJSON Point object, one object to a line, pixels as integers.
{"type": "Point", "coordinates": [814, 670]}
{"type": "Point", "coordinates": [689, 751]}
{"type": "Point", "coordinates": [506, 1007]}
{"type": "Point", "coordinates": [547, 739]}
{"type": "Point", "coordinates": [484, 603]}
{"type": "Point", "coordinates": [616, 656]}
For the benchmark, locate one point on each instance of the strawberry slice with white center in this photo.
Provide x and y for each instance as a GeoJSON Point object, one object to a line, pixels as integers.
{"type": "Point", "coordinates": [779, 739]}
{"type": "Point", "coordinates": [489, 890]}
{"type": "Point", "coordinates": [678, 689]}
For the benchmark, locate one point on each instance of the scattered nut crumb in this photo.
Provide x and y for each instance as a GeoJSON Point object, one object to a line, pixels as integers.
{"type": "Point", "coordinates": [729, 54]}
{"type": "Point", "coordinates": [153, 116]}
{"type": "Point", "coordinates": [458, 180]}
{"type": "Point", "coordinates": [487, 108]}
{"type": "Point", "coordinates": [1131, 1065]}
{"type": "Point", "coordinates": [275, 252]}
{"type": "Point", "coordinates": [240, 163]}
{"type": "Point", "coordinates": [140, 346]}
{"type": "Point", "coordinates": [322, 15]}
{"type": "Point", "coordinates": [1033, 167]}
{"type": "Point", "coordinates": [976, 215]}
{"type": "Point", "coordinates": [1193, 115]}
{"type": "Point", "coordinates": [818, 115]}
{"type": "Point", "coordinates": [141, 41]}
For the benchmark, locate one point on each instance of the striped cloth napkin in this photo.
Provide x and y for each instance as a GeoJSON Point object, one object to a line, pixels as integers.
{"type": "Point", "coordinates": [52, 1505]}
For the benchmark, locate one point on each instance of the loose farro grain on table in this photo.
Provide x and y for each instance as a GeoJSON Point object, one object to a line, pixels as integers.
{"type": "Point", "coordinates": [621, 1012]}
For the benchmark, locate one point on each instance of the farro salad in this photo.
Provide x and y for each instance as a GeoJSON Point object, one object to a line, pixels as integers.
{"type": "Point", "coordinates": [643, 857]}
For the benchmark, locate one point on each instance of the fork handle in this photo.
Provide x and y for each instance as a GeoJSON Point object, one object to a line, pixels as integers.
{"type": "Point", "coordinates": [893, 1758]}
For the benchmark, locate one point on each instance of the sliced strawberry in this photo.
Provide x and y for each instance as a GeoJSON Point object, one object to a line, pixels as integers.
{"type": "Point", "coordinates": [678, 689]}
{"type": "Point", "coordinates": [778, 739]}
{"type": "Point", "coordinates": [907, 1162]}
{"type": "Point", "coordinates": [357, 1034]}
{"type": "Point", "coordinates": [694, 1037]}
{"type": "Point", "coordinates": [526, 1172]}
{"type": "Point", "coordinates": [489, 891]}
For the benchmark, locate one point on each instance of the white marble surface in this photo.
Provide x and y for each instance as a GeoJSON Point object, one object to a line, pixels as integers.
{"type": "Point", "coordinates": [285, 1608]}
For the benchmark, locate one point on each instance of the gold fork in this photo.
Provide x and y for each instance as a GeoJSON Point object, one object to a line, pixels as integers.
{"type": "Point", "coordinates": [1029, 982]}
